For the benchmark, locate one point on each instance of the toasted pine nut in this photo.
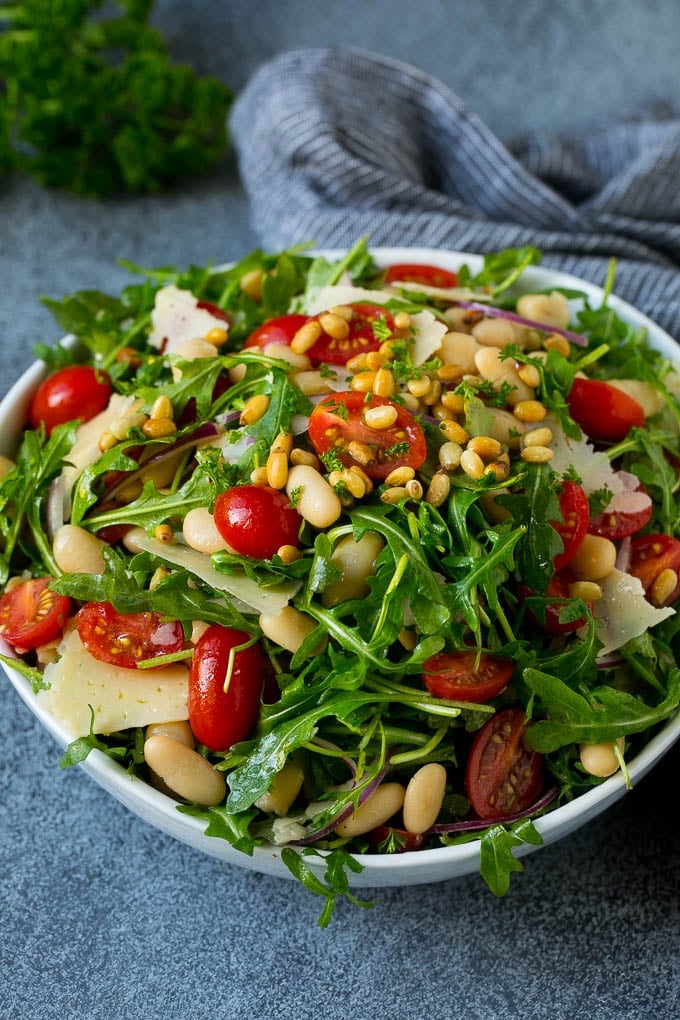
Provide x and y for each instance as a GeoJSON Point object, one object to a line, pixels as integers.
{"type": "Point", "coordinates": [453, 432]}
{"type": "Point", "coordinates": [450, 373]}
{"type": "Point", "coordinates": [529, 374]}
{"type": "Point", "coordinates": [423, 798]}
{"type": "Point", "coordinates": [410, 402]}
{"type": "Point", "coordinates": [589, 591]}
{"type": "Point", "coordinates": [400, 476]}
{"type": "Point", "coordinates": [408, 639]}
{"type": "Point", "coordinates": [357, 363]}
{"type": "Point", "coordinates": [282, 791]}
{"type": "Point", "coordinates": [183, 771]}
{"type": "Point", "coordinates": [472, 464]}
{"type": "Point", "coordinates": [76, 551]}
{"type": "Point", "coordinates": [162, 407]}
{"type": "Point", "coordinates": [537, 454]}
{"type": "Point", "coordinates": [663, 587]}
{"type": "Point", "coordinates": [107, 441]}
{"type": "Point", "coordinates": [353, 483]}
{"type": "Point", "coordinates": [363, 382]}
{"type": "Point", "coordinates": [387, 350]}
{"type": "Point", "coordinates": [217, 336]}
{"type": "Point", "coordinates": [414, 489]}
{"type": "Point", "coordinates": [360, 452]}
{"type": "Point", "coordinates": [164, 534]}
{"type": "Point", "coordinates": [306, 337]}
{"type": "Point", "coordinates": [434, 393]}
{"type": "Point", "coordinates": [254, 409]}
{"type": "Point", "coordinates": [334, 325]}
{"type": "Point", "coordinates": [288, 553]}
{"type": "Point", "coordinates": [315, 499]}
{"type": "Point", "coordinates": [375, 810]}
{"type": "Point", "coordinates": [487, 447]}
{"type": "Point", "coordinates": [344, 311]}
{"type": "Point", "coordinates": [537, 437]}
{"type": "Point", "coordinates": [159, 575]}
{"type": "Point", "coordinates": [530, 411]}
{"type": "Point", "coordinates": [200, 532]}
{"type": "Point", "coordinates": [251, 284]}
{"type": "Point", "coordinates": [449, 455]}
{"type": "Point", "coordinates": [419, 385]}
{"type": "Point", "coordinates": [258, 476]}
{"type": "Point", "coordinates": [383, 383]}
{"type": "Point", "coordinates": [159, 428]}
{"type": "Point", "coordinates": [558, 343]}
{"type": "Point", "coordinates": [438, 489]}
{"type": "Point", "coordinates": [600, 759]}
{"type": "Point", "coordinates": [298, 456]}
{"type": "Point", "coordinates": [283, 443]}
{"type": "Point", "coordinates": [453, 402]}
{"type": "Point", "coordinates": [595, 559]}
{"type": "Point", "coordinates": [381, 417]}
{"type": "Point", "coordinates": [375, 360]}
{"type": "Point", "coordinates": [498, 468]}
{"type": "Point", "coordinates": [402, 321]}
{"type": "Point", "coordinates": [180, 730]}
{"type": "Point", "coordinates": [277, 469]}
{"type": "Point", "coordinates": [289, 628]}
{"type": "Point", "coordinates": [394, 494]}
{"type": "Point", "coordinates": [360, 473]}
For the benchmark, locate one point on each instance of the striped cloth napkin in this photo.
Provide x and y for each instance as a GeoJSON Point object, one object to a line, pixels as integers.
{"type": "Point", "coordinates": [338, 144]}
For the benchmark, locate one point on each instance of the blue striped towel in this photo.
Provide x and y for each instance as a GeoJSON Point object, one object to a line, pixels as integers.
{"type": "Point", "coordinates": [337, 144]}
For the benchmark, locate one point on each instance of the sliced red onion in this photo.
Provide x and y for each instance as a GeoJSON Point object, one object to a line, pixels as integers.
{"type": "Point", "coordinates": [623, 556]}
{"type": "Point", "coordinates": [349, 762]}
{"type": "Point", "coordinates": [349, 809]}
{"type": "Point", "coordinates": [609, 661]}
{"type": "Point", "coordinates": [478, 824]}
{"type": "Point", "coordinates": [502, 313]}
{"type": "Point", "coordinates": [56, 507]}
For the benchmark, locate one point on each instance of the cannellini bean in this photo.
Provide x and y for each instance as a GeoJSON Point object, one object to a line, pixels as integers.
{"type": "Point", "coordinates": [549, 309]}
{"type": "Point", "coordinates": [187, 774]}
{"type": "Point", "coordinates": [595, 559]}
{"type": "Point", "coordinates": [284, 353]}
{"type": "Point", "coordinates": [459, 349]}
{"type": "Point", "coordinates": [282, 790]}
{"type": "Point", "coordinates": [180, 730]}
{"type": "Point", "coordinates": [495, 333]}
{"type": "Point", "coordinates": [490, 366]}
{"type": "Point", "coordinates": [600, 759]}
{"type": "Point", "coordinates": [200, 532]}
{"type": "Point", "coordinates": [190, 350]}
{"type": "Point", "coordinates": [375, 810]}
{"type": "Point", "coordinates": [315, 499]}
{"type": "Point", "coordinates": [289, 628]}
{"type": "Point", "coordinates": [506, 428]}
{"type": "Point", "coordinates": [356, 561]}
{"type": "Point", "coordinates": [423, 797]}
{"type": "Point", "coordinates": [76, 551]}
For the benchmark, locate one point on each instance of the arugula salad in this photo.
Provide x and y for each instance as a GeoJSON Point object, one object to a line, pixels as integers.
{"type": "Point", "coordinates": [346, 558]}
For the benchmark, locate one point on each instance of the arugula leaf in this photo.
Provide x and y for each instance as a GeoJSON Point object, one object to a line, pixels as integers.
{"type": "Point", "coordinates": [533, 509]}
{"type": "Point", "coordinates": [234, 828]}
{"type": "Point", "coordinates": [358, 262]}
{"type": "Point", "coordinates": [338, 862]}
{"type": "Point", "coordinates": [497, 861]}
{"type": "Point", "coordinates": [500, 269]}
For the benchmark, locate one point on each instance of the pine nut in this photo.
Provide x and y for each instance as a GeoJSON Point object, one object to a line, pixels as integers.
{"type": "Point", "coordinates": [334, 325]}
{"type": "Point", "coordinates": [183, 771]}
{"type": "Point", "coordinates": [217, 336]}
{"type": "Point", "coordinates": [472, 464]}
{"type": "Point", "coordinates": [453, 402]}
{"type": "Point", "coordinates": [277, 469]}
{"type": "Point", "coordinates": [356, 562]}
{"type": "Point", "coordinates": [438, 489]}
{"type": "Point", "coordinates": [410, 402]}
{"type": "Point", "coordinates": [557, 343]}
{"type": "Point", "coordinates": [439, 412]}
{"type": "Point", "coordinates": [424, 797]}
{"type": "Point", "coordinates": [354, 469]}
{"type": "Point", "coordinates": [450, 373]}
{"type": "Point", "coordinates": [400, 476]}
{"type": "Point", "coordinates": [414, 489]}
{"type": "Point", "coordinates": [498, 468]}
{"type": "Point", "coordinates": [288, 629]}
{"type": "Point", "coordinates": [282, 791]}
{"type": "Point", "coordinates": [434, 393]}
{"type": "Point", "coordinates": [162, 408]}
{"type": "Point", "coordinates": [159, 428]}
{"type": "Point", "coordinates": [383, 383]}
{"type": "Point", "coordinates": [529, 374]}
{"type": "Point", "coordinates": [537, 454]}
{"type": "Point", "coordinates": [298, 456]}
{"type": "Point", "coordinates": [164, 534]}
{"type": "Point", "coordinates": [375, 360]}
{"type": "Point", "coordinates": [453, 432]}
{"type": "Point", "coordinates": [449, 455]}
{"type": "Point", "coordinates": [251, 284]}
{"type": "Point", "coordinates": [344, 311]}
{"type": "Point", "coordinates": [419, 385]}
{"type": "Point", "coordinates": [402, 321]}
{"type": "Point", "coordinates": [288, 553]}
{"type": "Point", "coordinates": [595, 559]}
{"type": "Point", "coordinates": [537, 437]}
{"type": "Point", "coordinates": [76, 551]}
{"type": "Point", "coordinates": [254, 409]}
{"type": "Point", "coordinates": [530, 411]}
{"type": "Point", "coordinates": [360, 452]}
{"type": "Point", "coordinates": [353, 483]}
{"type": "Point", "coordinates": [381, 417]}
{"type": "Point", "coordinates": [589, 591]}
{"type": "Point", "coordinates": [486, 447]}
{"type": "Point", "coordinates": [357, 363]}
{"type": "Point", "coordinates": [306, 337]}
{"type": "Point", "coordinates": [258, 476]}
{"type": "Point", "coordinates": [375, 810]}
{"type": "Point", "coordinates": [107, 441]}
{"type": "Point", "coordinates": [180, 730]}
{"type": "Point", "coordinates": [315, 499]}
{"type": "Point", "coordinates": [363, 382]}
{"type": "Point", "coordinates": [600, 759]}
{"type": "Point", "coordinates": [663, 586]}
{"type": "Point", "coordinates": [387, 350]}
{"type": "Point", "coordinates": [394, 494]}
{"type": "Point", "coordinates": [199, 531]}
{"type": "Point", "coordinates": [283, 443]}
{"type": "Point", "coordinates": [159, 575]}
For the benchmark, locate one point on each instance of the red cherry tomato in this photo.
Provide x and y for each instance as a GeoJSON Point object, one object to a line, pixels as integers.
{"type": "Point", "coordinates": [558, 588]}
{"type": "Point", "coordinates": [361, 337]}
{"type": "Point", "coordinates": [412, 272]}
{"type": "Point", "coordinates": [338, 420]}
{"type": "Point", "coordinates": [276, 331]}
{"type": "Point", "coordinates": [463, 676]}
{"type": "Point", "coordinates": [503, 776]}
{"type": "Point", "coordinates": [604, 412]}
{"type": "Point", "coordinates": [573, 527]}
{"type": "Point", "coordinates": [220, 718]}
{"type": "Point", "coordinates": [618, 524]}
{"type": "Point", "coordinates": [652, 554]}
{"type": "Point", "coordinates": [125, 639]}
{"type": "Point", "coordinates": [78, 391]}
{"type": "Point", "coordinates": [256, 520]}
{"type": "Point", "coordinates": [406, 840]}
{"type": "Point", "coordinates": [31, 614]}
{"type": "Point", "coordinates": [215, 310]}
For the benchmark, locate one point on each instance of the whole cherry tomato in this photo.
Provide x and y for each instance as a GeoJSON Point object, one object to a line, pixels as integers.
{"type": "Point", "coordinates": [573, 527]}
{"type": "Point", "coordinates": [338, 420]}
{"type": "Point", "coordinates": [604, 412]}
{"type": "Point", "coordinates": [219, 717]}
{"type": "Point", "coordinates": [125, 639]}
{"type": "Point", "coordinates": [651, 555]}
{"type": "Point", "coordinates": [78, 391]}
{"type": "Point", "coordinates": [31, 614]}
{"type": "Point", "coordinates": [466, 675]}
{"type": "Point", "coordinates": [413, 272]}
{"type": "Point", "coordinates": [503, 775]}
{"type": "Point", "coordinates": [256, 520]}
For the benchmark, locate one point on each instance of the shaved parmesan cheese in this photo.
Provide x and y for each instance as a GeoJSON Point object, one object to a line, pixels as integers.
{"type": "Point", "coordinates": [120, 698]}
{"type": "Point", "coordinates": [248, 596]}
{"type": "Point", "coordinates": [177, 318]}
{"type": "Point", "coordinates": [623, 612]}
{"type": "Point", "coordinates": [442, 293]}
{"type": "Point", "coordinates": [428, 336]}
{"type": "Point", "coordinates": [342, 294]}
{"type": "Point", "coordinates": [594, 469]}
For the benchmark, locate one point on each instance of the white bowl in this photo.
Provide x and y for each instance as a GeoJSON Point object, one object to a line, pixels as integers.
{"type": "Point", "coordinates": [412, 868]}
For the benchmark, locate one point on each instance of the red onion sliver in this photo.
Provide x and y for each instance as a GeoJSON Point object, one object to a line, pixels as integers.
{"type": "Point", "coordinates": [623, 555]}
{"type": "Point", "coordinates": [329, 827]}
{"type": "Point", "coordinates": [543, 327]}
{"type": "Point", "coordinates": [478, 824]}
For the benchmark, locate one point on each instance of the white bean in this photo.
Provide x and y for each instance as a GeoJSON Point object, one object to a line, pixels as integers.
{"type": "Point", "coordinates": [459, 349]}
{"type": "Point", "coordinates": [284, 353]}
{"type": "Point", "coordinates": [190, 350]}
{"type": "Point", "coordinates": [423, 797]}
{"type": "Point", "coordinates": [315, 500]}
{"type": "Point", "coordinates": [497, 371]}
{"type": "Point", "coordinates": [180, 730]}
{"type": "Point", "coordinates": [600, 759]}
{"type": "Point", "coordinates": [356, 561]}
{"type": "Point", "coordinates": [495, 332]}
{"type": "Point", "coordinates": [200, 532]}
{"type": "Point", "coordinates": [375, 810]}
{"type": "Point", "coordinates": [549, 309]}
{"type": "Point", "coordinates": [182, 770]}
{"type": "Point", "coordinates": [76, 551]}
{"type": "Point", "coordinates": [289, 628]}
{"type": "Point", "coordinates": [595, 559]}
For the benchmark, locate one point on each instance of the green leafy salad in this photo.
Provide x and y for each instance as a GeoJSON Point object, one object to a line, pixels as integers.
{"type": "Point", "coordinates": [349, 558]}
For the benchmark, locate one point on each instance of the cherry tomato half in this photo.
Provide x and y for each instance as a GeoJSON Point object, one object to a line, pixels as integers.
{"type": "Point", "coordinates": [465, 676]}
{"type": "Point", "coordinates": [413, 272]}
{"type": "Point", "coordinates": [78, 391]}
{"type": "Point", "coordinates": [125, 639]}
{"type": "Point", "coordinates": [215, 310]}
{"type": "Point", "coordinates": [256, 520]}
{"type": "Point", "coordinates": [573, 527]}
{"type": "Point", "coordinates": [650, 556]}
{"type": "Point", "coordinates": [503, 776]}
{"type": "Point", "coordinates": [31, 614]}
{"type": "Point", "coordinates": [361, 337]}
{"type": "Point", "coordinates": [220, 718]}
{"type": "Point", "coordinates": [618, 524]}
{"type": "Point", "coordinates": [276, 331]}
{"type": "Point", "coordinates": [604, 412]}
{"type": "Point", "coordinates": [338, 420]}
{"type": "Point", "coordinates": [402, 839]}
{"type": "Point", "coordinates": [558, 588]}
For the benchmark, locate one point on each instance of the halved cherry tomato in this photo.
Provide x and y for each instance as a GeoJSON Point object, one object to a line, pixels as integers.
{"type": "Point", "coordinates": [573, 527]}
{"type": "Point", "coordinates": [220, 718]}
{"type": "Point", "coordinates": [215, 310]}
{"type": "Point", "coordinates": [361, 339]}
{"type": "Point", "coordinates": [338, 421]}
{"type": "Point", "coordinates": [406, 840]}
{"type": "Point", "coordinates": [78, 391]}
{"type": "Point", "coordinates": [276, 331]}
{"type": "Point", "coordinates": [652, 554]}
{"type": "Point", "coordinates": [618, 524]}
{"type": "Point", "coordinates": [465, 676]}
{"type": "Point", "coordinates": [125, 639]}
{"type": "Point", "coordinates": [604, 412]}
{"type": "Point", "coordinates": [413, 272]}
{"type": "Point", "coordinates": [31, 614]}
{"type": "Point", "coordinates": [503, 776]}
{"type": "Point", "coordinates": [558, 588]}
{"type": "Point", "coordinates": [256, 520]}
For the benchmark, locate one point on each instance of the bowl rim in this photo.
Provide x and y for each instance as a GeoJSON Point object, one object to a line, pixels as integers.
{"type": "Point", "coordinates": [419, 866]}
